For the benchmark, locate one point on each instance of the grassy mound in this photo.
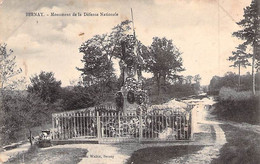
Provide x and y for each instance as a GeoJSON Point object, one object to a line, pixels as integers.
{"type": "Point", "coordinates": [242, 147]}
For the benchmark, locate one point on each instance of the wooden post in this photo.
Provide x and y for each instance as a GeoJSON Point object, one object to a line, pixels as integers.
{"type": "Point", "coordinates": [53, 126]}
{"type": "Point", "coordinates": [141, 127]}
{"type": "Point", "coordinates": [65, 126]}
{"type": "Point", "coordinates": [74, 125]}
{"type": "Point", "coordinates": [119, 124]}
{"type": "Point", "coordinates": [98, 127]}
{"type": "Point", "coordinates": [191, 126]}
{"type": "Point", "coordinates": [84, 125]}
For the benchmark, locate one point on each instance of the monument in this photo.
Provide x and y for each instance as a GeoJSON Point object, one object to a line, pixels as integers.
{"type": "Point", "coordinates": [132, 97]}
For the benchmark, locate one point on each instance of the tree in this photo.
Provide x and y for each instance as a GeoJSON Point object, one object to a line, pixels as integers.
{"type": "Point", "coordinates": [166, 60]}
{"type": "Point", "coordinates": [240, 58]}
{"type": "Point", "coordinates": [8, 72]}
{"type": "Point", "coordinates": [8, 69]}
{"type": "Point", "coordinates": [45, 86]}
{"type": "Point", "coordinates": [98, 65]}
{"type": "Point", "coordinates": [197, 80]}
{"type": "Point", "coordinates": [189, 79]}
{"type": "Point", "coordinates": [78, 97]}
{"type": "Point", "coordinates": [22, 111]}
{"type": "Point", "coordinates": [251, 34]}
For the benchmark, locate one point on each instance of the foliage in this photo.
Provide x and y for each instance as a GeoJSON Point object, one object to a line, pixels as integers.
{"type": "Point", "coordinates": [166, 60]}
{"type": "Point", "coordinates": [8, 82]}
{"type": "Point", "coordinates": [21, 110]}
{"type": "Point", "coordinates": [240, 57]}
{"type": "Point", "coordinates": [250, 33]}
{"type": "Point", "coordinates": [250, 25]}
{"type": "Point", "coordinates": [45, 86]}
{"type": "Point", "coordinates": [168, 91]}
{"type": "Point", "coordinates": [8, 69]}
{"type": "Point", "coordinates": [242, 107]}
{"type": "Point", "coordinates": [78, 97]}
{"type": "Point", "coordinates": [231, 94]}
{"type": "Point", "coordinates": [97, 59]}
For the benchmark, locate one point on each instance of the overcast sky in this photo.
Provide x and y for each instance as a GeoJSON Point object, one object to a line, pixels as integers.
{"type": "Point", "coordinates": [51, 43]}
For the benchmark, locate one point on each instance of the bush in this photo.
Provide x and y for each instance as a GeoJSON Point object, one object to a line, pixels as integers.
{"type": "Point", "coordinates": [239, 109]}
{"type": "Point", "coordinates": [231, 94]}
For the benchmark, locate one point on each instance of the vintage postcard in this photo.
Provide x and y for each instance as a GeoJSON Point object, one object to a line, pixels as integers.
{"type": "Point", "coordinates": [129, 81]}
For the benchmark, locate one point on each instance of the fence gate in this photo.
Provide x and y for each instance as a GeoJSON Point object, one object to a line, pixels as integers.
{"type": "Point", "coordinates": [113, 126]}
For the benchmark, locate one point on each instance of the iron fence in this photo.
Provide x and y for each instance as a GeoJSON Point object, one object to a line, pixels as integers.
{"type": "Point", "coordinates": [113, 126]}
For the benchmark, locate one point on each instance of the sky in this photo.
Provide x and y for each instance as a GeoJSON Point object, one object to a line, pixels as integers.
{"type": "Point", "coordinates": [201, 29]}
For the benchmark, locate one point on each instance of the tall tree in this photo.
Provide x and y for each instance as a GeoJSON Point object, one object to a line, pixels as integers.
{"type": "Point", "coordinates": [240, 59]}
{"type": "Point", "coordinates": [98, 64]}
{"type": "Point", "coordinates": [250, 32]}
{"type": "Point", "coordinates": [197, 80]}
{"type": "Point", "coordinates": [8, 80]}
{"type": "Point", "coordinates": [45, 86]}
{"type": "Point", "coordinates": [166, 60]}
{"type": "Point", "coordinates": [8, 69]}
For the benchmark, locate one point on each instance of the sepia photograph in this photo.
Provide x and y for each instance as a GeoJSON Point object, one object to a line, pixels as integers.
{"type": "Point", "coordinates": [129, 82]}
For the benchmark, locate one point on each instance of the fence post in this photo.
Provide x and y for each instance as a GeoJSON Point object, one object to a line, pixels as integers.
{"type": "Point", "coordinates": [191, 126]}
{"type": "Point", "coordinates": [53, 126]}
{"type": "Point", "coordinates": [140, 126]}
{"type": "Point", "coordinates": [119, 124]}
{"type": "Point", "coordinates": [98, 127]}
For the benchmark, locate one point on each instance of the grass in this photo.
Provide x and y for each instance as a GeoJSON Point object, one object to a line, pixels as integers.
{"type": "Point", "coordinates": [242, 147]}
{"type": "Point", "coordinates": [54, 155]}
{"type": "Point", "coordinates": [156, 155]}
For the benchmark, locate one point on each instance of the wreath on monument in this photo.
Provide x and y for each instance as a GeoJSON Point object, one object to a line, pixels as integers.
{"type": "Point", "coordinates": [131, 97]}
{"type": "Point", "coordinates": [140, 98]}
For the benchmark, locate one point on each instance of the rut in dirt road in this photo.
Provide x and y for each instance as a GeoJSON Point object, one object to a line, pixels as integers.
{"type": "Point", "coordinates": [204, 125]}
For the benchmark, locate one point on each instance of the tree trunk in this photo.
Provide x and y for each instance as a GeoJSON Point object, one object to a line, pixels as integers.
{"type": "Point", "coordinates": [30, 137]}
{"type": "Point", "coordinates": [158, 83]}
{"type": "Point", "coordinates": [239, 80]}
{"type": "Point", "coordinates": [164, 79]}
{"type": "Point", "coordinates": [253, 69]}
{"type": "Point", "coordinates": [102, 91]}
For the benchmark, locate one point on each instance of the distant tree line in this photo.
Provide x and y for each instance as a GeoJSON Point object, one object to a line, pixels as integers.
{"type": "Point", "coordinates": [230, 80]}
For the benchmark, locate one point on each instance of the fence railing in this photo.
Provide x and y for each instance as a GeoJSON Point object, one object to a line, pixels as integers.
{"type": "Point", "coordinates": [114, 125]}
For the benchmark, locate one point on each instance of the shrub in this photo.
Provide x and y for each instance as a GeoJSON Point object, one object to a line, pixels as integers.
{"type": "Point", "coordinates": [231, 94]}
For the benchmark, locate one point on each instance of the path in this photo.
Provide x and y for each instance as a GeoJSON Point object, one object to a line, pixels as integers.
{"type": "Point", "coordinates": [204, 125]}
{"type": "Point", "coordinates": [5, 155]}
